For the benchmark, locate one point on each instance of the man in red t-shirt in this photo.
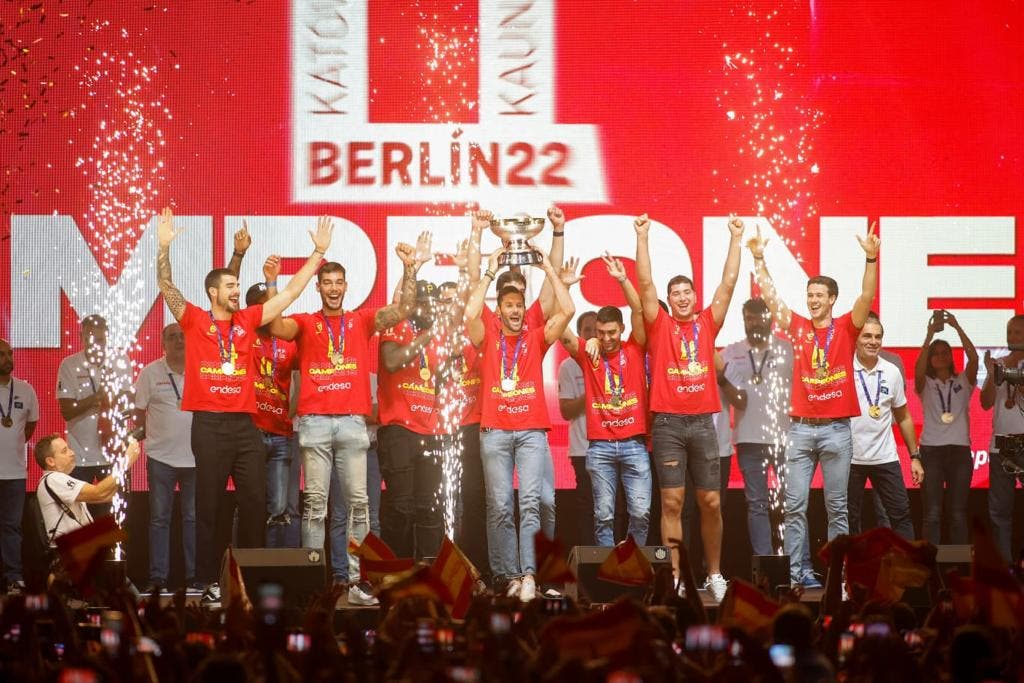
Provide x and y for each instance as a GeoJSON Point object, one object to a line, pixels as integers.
{"type": "Point", "coordinates": [823, 397]}
{"type": "Point", "coordinates": [615, 407]}
{"type": "Point", "coordinates": [684, 396]}
{"type": "Point", "coordinates": [220, 392]}
{"type": "Point", "coordinates": [514, 422]}
{"type": "Point", "coordinates": [334, 400]}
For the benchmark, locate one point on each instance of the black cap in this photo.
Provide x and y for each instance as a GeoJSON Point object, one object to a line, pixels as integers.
{"type": "Point", "coordinates": [425, 290]}
{"type": "Point", "coordinates": [257, 294]}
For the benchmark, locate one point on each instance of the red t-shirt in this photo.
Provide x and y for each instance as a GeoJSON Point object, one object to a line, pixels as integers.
{"type": "Point", "coordinates": [605, 420]}
{"type": "Point", "coordinates": [275, 360]}
{"type": "Point", "coordinates": [835, 395]}
{"type": "Point", "coordinates": [207, 388]}
{"type": "Point", "coordinates": [680, 382]}
{"type": "Point", "coordinates": [534, 317]}
{"type": "Point", "coordinates": [470, 386]}
{"type": "Point", "coordinates": [325, 389]}
{"type": "Point", "coordinates": [523, 407]}
{"type": "Point", "coordinates": [404, 397]}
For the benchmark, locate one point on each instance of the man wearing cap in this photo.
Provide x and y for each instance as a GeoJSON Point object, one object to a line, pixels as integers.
{"type": "Point", "coordinates": [334, 400]}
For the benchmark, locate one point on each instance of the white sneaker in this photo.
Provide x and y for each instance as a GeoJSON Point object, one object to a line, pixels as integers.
{"type": "Point", "coordinates": [717, 585]}
{"type": "Point", "coordinates": [357, 595]}
{"type": "Point", "coordinates": [529, 589]}
{"type": "Point", "coordinates": [514, 586]}
{"type": "Point", "coordinates": [680, 588]}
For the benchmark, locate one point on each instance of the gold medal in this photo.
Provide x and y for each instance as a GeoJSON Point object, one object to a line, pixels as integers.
{"type": "Point", "coordinates": [616, 400]}
{"type": "Point", "coordinates": [694, 368]}
{"type": "Point", "coordinates": [425, 374]}
{"type": "Point", "coordinates": [756, 379]}
{"type": "Point", "coordinates": [821, 372]}
{"type": "Point", "coordinates": [7, 422]}
{"type": "Point", "coordinates": [947, 418]}
{"type": "Point", "coordinates": [337, 359]}
{"type": "Point", "coordinates": [875, 411]}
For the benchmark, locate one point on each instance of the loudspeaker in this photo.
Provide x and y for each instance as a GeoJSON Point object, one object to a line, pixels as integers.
{"type": "Point", "coordinates": [584, 560]}
{"type": "Point", "coordinates": [957, 557]}
{"type": "Point", "coordinates": [769, 571]}
{"type": "Point", "coordinates": [302, 572]}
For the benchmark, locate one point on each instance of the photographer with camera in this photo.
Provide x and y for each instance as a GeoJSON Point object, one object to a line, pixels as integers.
{"type": "Point", "coordinates": [1002, 393]}
{"type": "Point", "coordinates": [945, 438]}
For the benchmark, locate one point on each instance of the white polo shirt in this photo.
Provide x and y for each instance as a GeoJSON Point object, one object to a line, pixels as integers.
{"type": "Point", "coordinates": [78, 379]}
{"type": "Point", "coordinates": [1007, 420]}
{"type": "Point", "coordinates": [24, 408]}
{"type": "Point", "coordinates": [766, 417]}
{"type": "Point", "coordinates": [158, 391]}
{"type": "Point", "coordinates": [955, 394]}
{"type": "Point", "coordinates": [570, 385]}
{"type": "Point", "coordinates": [66, 488]}
{"type": "Point", "coordinates": [873, 441]}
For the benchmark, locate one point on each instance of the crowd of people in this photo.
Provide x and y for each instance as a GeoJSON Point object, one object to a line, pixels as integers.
{"type": "Point", "coordinates": [255, 394]}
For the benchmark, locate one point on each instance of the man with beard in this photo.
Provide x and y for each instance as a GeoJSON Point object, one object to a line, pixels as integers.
{"type": "Point", "coordinates": [169, 460]}
{"type": "Point", "coordinates": [19, 413]}
{"type": "Point", "coordinates": [334, 401]}
{"type": "Point", "coordinates": [823, 397]}
{"type": "Point", "coordinates": [514, 422]}
{"type": "Point", "coordinates": [684, 396]}
{"type": "Point", "coordinates": [220, 392]}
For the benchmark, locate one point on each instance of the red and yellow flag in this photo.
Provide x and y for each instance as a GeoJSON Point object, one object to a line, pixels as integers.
{"type": "Point", "coordinates": [747, 608]}
{"type": "Point", "coordinates": [885, 563]}
{"type": "Point", "coordinates": [551, 564]}
{"type": "Point", "coordinates": [377, 560]}
{"type": "Point", "coordinates": [626, 565]}
{"type": "Point", "coordinates": [997, 594]}
{"type": "Point", "coordinates": [83, 550]}
{"type": "Point", "coordinates": [232, 585]}
{"type": "Point", "coordinates": [457, 573]}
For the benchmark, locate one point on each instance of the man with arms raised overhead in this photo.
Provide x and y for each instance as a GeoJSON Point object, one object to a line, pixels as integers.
{"type": "Point", "coordinates": [823, 396]}
{"type": "Point", "coordinates": [684, 395]}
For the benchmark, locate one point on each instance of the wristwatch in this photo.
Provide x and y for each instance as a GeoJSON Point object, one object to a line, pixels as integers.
{"type": "Point", "coordinates": [916, 455]}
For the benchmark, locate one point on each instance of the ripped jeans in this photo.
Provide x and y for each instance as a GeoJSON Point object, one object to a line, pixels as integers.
{"type": "Point", "coordinates": [334, 444]}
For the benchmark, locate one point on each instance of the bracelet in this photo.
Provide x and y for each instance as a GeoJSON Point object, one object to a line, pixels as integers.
{"type": "Point", "coordinates": [871, 260]}
{"type": "Point", "coordinates": [239, 254]}
{"type": "Point", "coordinates": [489, 273]}
{"type": "Point", "coordinates": [759, 258]}
{"type": "Point", "coordinates": [558, 233]}
{"type": "Point", "coordinates": [318, 251]}
{"type": "Point", "coordinates": [271, 284]}
{"type": "Point", "coordinates": [915, 456]}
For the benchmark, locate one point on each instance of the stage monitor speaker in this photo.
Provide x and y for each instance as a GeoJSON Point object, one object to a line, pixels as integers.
{"type": "Point", "coordinates": [771, 571]}
{"type": "Point", "coordinates": [584, 560]}
{"type": "Point", "coordinates": [302, 572]}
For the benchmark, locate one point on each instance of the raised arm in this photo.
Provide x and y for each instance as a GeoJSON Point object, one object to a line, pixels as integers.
{"type": "Point", "coordinates": [617, 271]}
{"type": "Point", "coordinates": [560, 318]}
{"type": "Point", "coordinates": [165, 235]}
{"type": "Point", "coordinates": [780, 312]}
{"type": "Point", "coordinates": [730, 273]}
{"type": "Point", "coordinates": [424, 254]}
{"type": "Point", "coordinates": [276, 304]}
{"type": "Point", "coordinates": [869, 286]}
{"type": "Point", "coordinates": [478, 291]}
{"type": "Point", "coordinates": [987, 396]}
{"type": "Point", "coordinates": [547, 295]}
{"type": "Point", "coordinates": [971, 368]}
{"type": "Point", "coordinates": [243, 240]}
{"type": "Point", "coordinates": [282, 328]}
{"type": "Point", "coordinates": [570, 342]}
{"type": "Point", "coordinates": [103, 491]}
{"type": "Point", "coordinates": [921, 365]}
{"type": "Point", "coordinates": [481, 220]}
{"type": "Point", "coordinates": [392, 314]}
{"type": "Point", "coordinates": [648, 292]}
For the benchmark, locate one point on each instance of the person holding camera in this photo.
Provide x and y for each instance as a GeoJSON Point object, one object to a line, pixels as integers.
{"type": "Point", "coordinates": [945, 438]}
{"type": "Point", "coordinates": [1006, 401]}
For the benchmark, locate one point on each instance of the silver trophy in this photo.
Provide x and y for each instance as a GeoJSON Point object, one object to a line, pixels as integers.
{"type": "Point", "coordinates": [515, 233]}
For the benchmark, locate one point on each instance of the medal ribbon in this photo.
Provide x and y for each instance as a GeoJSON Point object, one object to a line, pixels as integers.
{"type": "Point", "coordinates": [947, 400]}
{"type": "Point", "coordinates": [688, 348]}
{"type": "Point", "coordinates": [10, 402]}
{"type": "Point", "coordinates": [330, 336]}
{"type": "Point", "coordinates": [610, 379]}
{"type": "Point", "coordinates": [423, 351]}
{"type": "Point", "coordinates": [819, 356]}
{"type": "Point", "coordinates": [226, 352]}
{"type": "Point", "coordinates": [513, 372]}
{"type": "Point", "coordinates": [757, 369]}
{"type": "Point", "coordinates": [864, 386]}
{"type": "Point", "coordinates": [174, 385]}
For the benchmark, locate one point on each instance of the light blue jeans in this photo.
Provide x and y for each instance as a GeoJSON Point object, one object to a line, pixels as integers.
{"type": "Point", "coordinates": [528, 453]}
{"type": "Point", "coordinates": [339, 530]}
{"type": "Point", "coordinates": [334, 445]}
{"type": "Point", "coordinates": [607, 462]}
{"type": "Point", "coordinates": [831, 445]}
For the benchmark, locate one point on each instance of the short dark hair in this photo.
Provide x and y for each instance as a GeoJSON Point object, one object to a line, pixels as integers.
{"type": "Point", "coordinates": [830, 284]}
{"type": "Point", "coordinates": [94, 321]}
{"type": "Point", "coordinates": [583, 316]}
{"type": "Point", "coordinates": [873, 318]}
{"type": "Point", "coordinates": [755, 306]}
{"type": "Point", "coordinates": [257, 294]}
{"type": "Point", "coordinates": [213, 278]}
{"type": "Point", "coordinates": [509, 289]}
{"type": "Point", "coordinates": [1019, 318]}
{"type": "Point", "coordinates": [679, 280]}
{"type": "Point", "coordinates": [44, 449]}
{"type": "Point", "coordinates": [509, 276]}
{"type": "Point", "coordinates": [448, 284]}
{"type": "Point", "coordinates": [609, 314]}
{"type": "Point", "coordinates": [330, 267]}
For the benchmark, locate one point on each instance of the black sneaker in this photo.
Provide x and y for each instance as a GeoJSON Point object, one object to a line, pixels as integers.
{"type": "Point", "coordinates": [211, 596]}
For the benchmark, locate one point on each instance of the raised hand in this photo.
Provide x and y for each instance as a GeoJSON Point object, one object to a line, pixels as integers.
{"type": "Point", "coordinates": [935, 323]}
{"type": "Point", "coordinates": [642, 224]}
{"type": "Point", "coordinates": [481, 220]}
{"type": "Point", "coordinates": [736, 227]}
{"type": "Point", "coordinates": [272, 267]}
{"type": "Point", "coordinates": [951, 320]}
{"type": "Point", "coordinates": [492, 260]}
{"type": "Point", "coordinates": [614, 266]}
{"type": "Point", "coordinates": [990, 363]}
{"type": "Point", "coordinates": [423, 248]}
{"type": "Point", "coordinates": [243, 240]}
{"type": "Point", "coordinates": [322, 236]}
{"type": "Point", "coordinates": [165, 231]}
{"type": "Point", "coordinates": [556, 217]}
{"type": "Point", "coordinates": [757, 243]}
{"type": "Point", "coordinates": [870, 244]}
{"type": "Point", "coordinates": [406, 253]}
{"type": "Point", "coordinates": [568, 274]}
{"type": "Point", "coordinates": [461, 258]}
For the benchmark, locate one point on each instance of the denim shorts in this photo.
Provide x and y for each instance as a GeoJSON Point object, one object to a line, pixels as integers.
{"type": "Point", "coordinates": [685, 443]}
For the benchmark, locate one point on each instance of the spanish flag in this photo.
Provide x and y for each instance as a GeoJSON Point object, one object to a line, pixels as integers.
{"type": "Point", "coordinates": [420, 582]}
{"type": "Point", "coordinates": [747, 608]}
{"type": "Point", "coordinates": [997, 594]}
{"type": "Point", "coordinates": [885, 563]}
{"type": "Point", "coordinates": [626, 565]}
{"type": "Point", "coordinates": [377, 560]}
{"type": "Point", "coordinates": [597, 635]}
{"type": "Point", "coordinates": [232, 584]}
{"type": "Point", "coordinates": [551, 564]}
{"type": "Point", "coordinates": [83, 550]}
{"type": "Point", "coordinates": [457, 573]}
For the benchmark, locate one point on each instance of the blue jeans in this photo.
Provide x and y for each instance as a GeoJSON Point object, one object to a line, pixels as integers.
{"type": "Point", "coordinates": [527, 452]}
{"type": "Point", "coordinates": [752, 459]}
{"type": "Point", "coordinates": [948, 471]}
{"type": "Point", "coordinates": [831, 445]}
{"type": "Point", "coordinates": [339, 530]}
{"type": "Point", "coordinates": [162, 478]}
{"type": "Point", "coordinates": [1001, 487]}
{"type": "Point", "coordinates": [607, 463]}
{"type": "Point", "coordinates": [12, 493]}
{"type": "Point", "coordinates": [279, 483]}
{"type": "Point", "coordinates": [293, 532]}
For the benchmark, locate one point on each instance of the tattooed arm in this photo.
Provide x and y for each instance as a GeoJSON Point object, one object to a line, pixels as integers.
{"type": "Point", "coordinates": [392, 314]}
{"type": "Point", "coordinates": [165, 235]}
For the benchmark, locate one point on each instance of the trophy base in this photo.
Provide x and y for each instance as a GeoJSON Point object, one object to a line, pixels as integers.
{"type": "Point", "coordinates": [520, 258]}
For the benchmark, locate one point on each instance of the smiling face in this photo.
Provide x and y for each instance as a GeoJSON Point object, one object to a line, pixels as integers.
{"type": "Point", "coordinates": [512, 310]}
{"type": "Point", "coordinates": [682, 300]}
{"type": "Point", "coordinates": [819, 301]}
{"type": "Point", "coordinates": [332, 287]}
{"type": "Point", "coordinates": [609, 336]}
{"type": "Point", "coordinates": [869, 342]}
{"type": "Point", "coordinates": [61, 457]}
{"type": "Point", "coordinates": [226, 295]}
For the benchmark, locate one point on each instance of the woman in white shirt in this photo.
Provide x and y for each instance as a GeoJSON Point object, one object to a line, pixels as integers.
{"type": "Point", "coordinates": [945, 439]}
